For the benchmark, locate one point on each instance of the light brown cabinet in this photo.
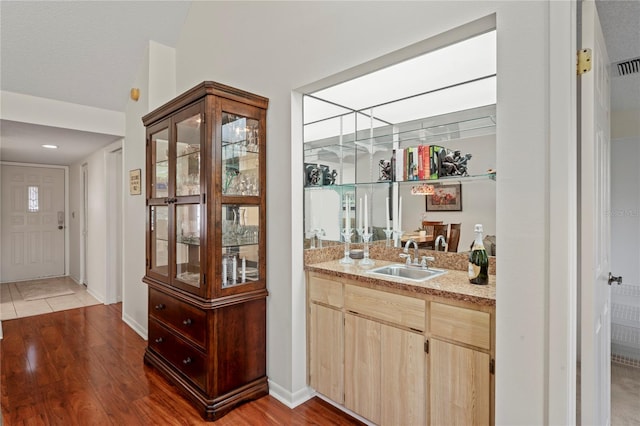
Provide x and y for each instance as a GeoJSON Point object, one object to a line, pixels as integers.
{"type": "Point", "coordinates": [206, 245]}
{"type": "Point", "coordinates": [326, 351]}
{"type": "Point", "coordinates": [362, 366]}
{"type": "Point", "coordinates": [403, 378]}
{"type": "Point", "coordinates": [402, 359]}
{"type": "Point", "coordinates": [460, 385]}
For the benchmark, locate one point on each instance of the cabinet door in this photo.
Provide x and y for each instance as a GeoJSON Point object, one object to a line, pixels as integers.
{"type": "Point", "coordinates": [176, 214]}
{"type": "Point", "coordinates": [362, 367]}
{"type": "Point", "coordinates": [185, 199]}
{"type": "Point", "coordinates": [403, 377]}
{"type": "Point", "coordinates": [460, 385]}
{"type": "Point", "coordinates": [326, 353]}
{"type": "Point", "coordinates": [157, 195]}
{"type": "Point", "coordinates": [240, 150]}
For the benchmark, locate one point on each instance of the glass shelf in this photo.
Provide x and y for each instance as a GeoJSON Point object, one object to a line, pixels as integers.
{"type": "Point", "coordinates": [188, 241]}
{"type": "Point", "coordinates": [463, 124]}
{"type": "Point", "coordinates": [446, 180]}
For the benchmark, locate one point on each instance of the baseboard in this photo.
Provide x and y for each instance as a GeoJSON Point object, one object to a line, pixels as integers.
{"type": "Point", "coordinates": [96, 296]}
{"type": "Point", "coordinates": [76, 279]}
{"type": "Point", "coordinates": [345, 410]}
{"type": "Point", "coordinates": [291, 400]}
{"type": "Point", "coordinates": [138, 328]}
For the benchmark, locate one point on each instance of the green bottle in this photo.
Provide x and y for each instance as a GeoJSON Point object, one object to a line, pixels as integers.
{"type": "Point", "coordinates": [478, 260]}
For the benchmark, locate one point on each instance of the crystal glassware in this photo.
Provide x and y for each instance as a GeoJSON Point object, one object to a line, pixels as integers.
{"type": "Point", "coordinates": [366, 237]}
{"type": "Point", "coordinates": [346, 234]}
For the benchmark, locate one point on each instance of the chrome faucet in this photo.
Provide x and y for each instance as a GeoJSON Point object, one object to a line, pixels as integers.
{"type": "Point", "coordinates": [415, 251]}
{"type": "Point", "coordinates": [440, 239]}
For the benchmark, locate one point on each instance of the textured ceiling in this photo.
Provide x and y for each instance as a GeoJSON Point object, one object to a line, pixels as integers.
{"type": "Point", "coordinates": [83, 52]}
{"type": "Point", "coordinates": [620, 22]}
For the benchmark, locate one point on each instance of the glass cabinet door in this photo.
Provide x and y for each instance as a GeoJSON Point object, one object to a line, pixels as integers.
{"type": "Point", "coordinates": [188, 244]}
{"type": "Point", "coordinates": [240, 155]}
{"type": "Point", "coordinates": [240, 249]}
{"type": "Point", "coordinates": [188, 156]}
{"type": "Point", "coordinates": [159, 258]}
{"type": "Point", "coordinates": [160, 164]}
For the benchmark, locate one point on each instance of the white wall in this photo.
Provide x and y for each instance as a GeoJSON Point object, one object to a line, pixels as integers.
{"type": "Point", "coordinates": [155, 82]}
{"type": "Point", "coordinates": [97, 213]}
{"type": "Point", "coordinates": [75, 220]}
{"type": "Point", "coordinates": [285, 45]}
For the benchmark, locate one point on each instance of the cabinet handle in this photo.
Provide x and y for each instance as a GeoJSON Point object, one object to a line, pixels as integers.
{"type": "Point", "coordinates": [186, 361]}
{"type": "Point", "coordinates": [160, 306]}
{"type": "Point", "coordinates": [159, 340]}
{"type": "Point", "coordinates": [187, 321]}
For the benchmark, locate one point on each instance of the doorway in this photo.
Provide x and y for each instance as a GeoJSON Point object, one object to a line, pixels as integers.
{"type": "Point", "coordinates": [33, 222]}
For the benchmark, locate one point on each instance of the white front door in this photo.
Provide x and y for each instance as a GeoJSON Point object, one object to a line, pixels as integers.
{"type": "Point", "coordinates": [32, 225]}
{"type": "Point", "coordinates": [595, 227]}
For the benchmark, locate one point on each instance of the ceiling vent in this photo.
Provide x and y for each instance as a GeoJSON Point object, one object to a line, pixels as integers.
{"type": "Point", "coordinates": [630, 66]}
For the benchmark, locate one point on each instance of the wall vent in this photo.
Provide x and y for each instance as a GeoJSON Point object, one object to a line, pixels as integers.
{"type": "Point", "coordinates": [630, 66]}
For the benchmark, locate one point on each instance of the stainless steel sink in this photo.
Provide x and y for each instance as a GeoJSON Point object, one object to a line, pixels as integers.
{"type": "Point", "coordinates": [412, 273]}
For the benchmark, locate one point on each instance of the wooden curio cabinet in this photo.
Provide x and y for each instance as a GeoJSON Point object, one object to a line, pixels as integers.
{"type": "Point", "coordinates": [206, 245]}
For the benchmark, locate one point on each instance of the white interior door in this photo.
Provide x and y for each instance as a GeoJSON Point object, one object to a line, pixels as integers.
{"type": "Point", "coordinates": [595, 227]}
{"type": "Point", "coordinates": [32, 222]}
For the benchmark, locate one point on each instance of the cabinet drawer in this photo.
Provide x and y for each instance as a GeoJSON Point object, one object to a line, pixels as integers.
{"type": "Point", "coordinates": [183, 356]}
{"type": "Point", "coordinates": [187, 319]}
{"type": "Point", "coordinates": [461, 324]}
{"type": "Point", "coordinates": [325, 291]}
{"type": "Point", "coordinates": [391, 307]}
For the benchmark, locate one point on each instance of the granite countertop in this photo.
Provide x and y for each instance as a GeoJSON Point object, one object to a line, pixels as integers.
{"type": "Point", "coordinates": [452, 285]}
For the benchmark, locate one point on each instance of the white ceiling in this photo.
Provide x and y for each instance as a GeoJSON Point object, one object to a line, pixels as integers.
{"type": "Point", "coordinates": [620, 22]}
{"type": "Point", "coordinates": [82, 52]}
{"type": "Point", "coordinates": [89, 52]}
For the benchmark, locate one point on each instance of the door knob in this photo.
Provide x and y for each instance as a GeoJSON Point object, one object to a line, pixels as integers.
{"type": "Point", "coordinates": [613, 279]}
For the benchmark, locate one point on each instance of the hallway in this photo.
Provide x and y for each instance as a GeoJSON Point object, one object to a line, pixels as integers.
{"type": "Point", "coordinates": [13, 303]}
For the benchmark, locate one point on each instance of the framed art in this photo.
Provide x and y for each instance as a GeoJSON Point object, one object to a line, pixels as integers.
{"type": "Point", "coordinates": [445, 198]}
{"type": "Point", "coordinates": [135, 187]}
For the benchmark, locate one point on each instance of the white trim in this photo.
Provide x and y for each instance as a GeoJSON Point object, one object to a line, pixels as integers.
{"type": "Point", "coordinates": [344, 409]}
{"type": "Point", "coordinates": [99, 298]}
{"type": "Point", "coordinates": [561, 218]}
{"type": "Point", "coordinates": [138, 328]}
{"type": "Point", "coordinates": [291, 400]}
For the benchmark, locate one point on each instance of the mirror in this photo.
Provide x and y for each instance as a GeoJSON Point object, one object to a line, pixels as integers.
{"type": "Point", "coordinates": [373, 135]}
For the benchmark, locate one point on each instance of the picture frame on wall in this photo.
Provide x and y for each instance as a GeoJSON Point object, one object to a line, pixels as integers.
{"type": "Point", "coordinates": [135, 182]}
{"type": "Point", "coordinates": [446, 198]}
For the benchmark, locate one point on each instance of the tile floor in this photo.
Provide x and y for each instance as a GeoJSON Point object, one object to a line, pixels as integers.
{"type": "Point", "coordinates": [12, 305]}
{"type": "Point", "coordinates": [625, 395]}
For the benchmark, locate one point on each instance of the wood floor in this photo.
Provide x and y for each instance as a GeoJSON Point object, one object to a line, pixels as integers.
{"type": "Point", "coordinates": [84, 367]}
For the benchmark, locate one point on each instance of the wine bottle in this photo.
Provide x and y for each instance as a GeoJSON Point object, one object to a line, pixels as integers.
{"type": "Point", "coordinates": [478, 260]}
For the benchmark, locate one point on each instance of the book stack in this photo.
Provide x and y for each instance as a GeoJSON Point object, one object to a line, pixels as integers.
{"type": "Point", "coordinates": [416, 163]}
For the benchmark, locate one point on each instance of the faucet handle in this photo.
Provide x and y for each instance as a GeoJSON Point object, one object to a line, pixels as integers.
{"type": "Point", "coordinates": [406, 256]}
{"type": "Point", "coordinates": [425, 259]}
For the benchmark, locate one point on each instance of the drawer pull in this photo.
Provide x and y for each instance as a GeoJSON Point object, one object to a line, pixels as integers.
{"type": "Point", "coordinates": [160, 306]}
{"type": "Point", "coordinates": [187, 321]}
{"type": "Point", "coordinates": [159, 340]}
{"type": "Point", "coordinates": [186, 361]}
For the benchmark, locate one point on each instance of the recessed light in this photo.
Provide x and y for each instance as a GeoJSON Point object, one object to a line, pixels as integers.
{"type": "Point", "coordinates": [50, 146]}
